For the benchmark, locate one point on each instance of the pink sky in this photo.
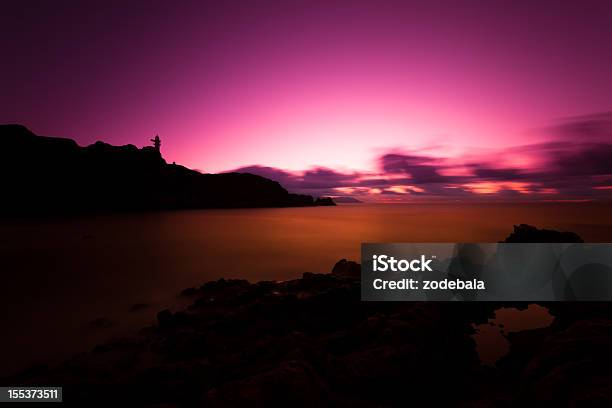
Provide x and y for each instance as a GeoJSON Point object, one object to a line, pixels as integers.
{"type": "Point", "coordinates": [297, 85]}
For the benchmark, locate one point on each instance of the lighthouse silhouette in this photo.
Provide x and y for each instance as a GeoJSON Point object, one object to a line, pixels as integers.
{"type": "Point", "coordinates": [156, 143]}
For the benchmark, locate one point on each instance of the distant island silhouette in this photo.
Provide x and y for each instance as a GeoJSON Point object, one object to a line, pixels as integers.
{"type": "Point", "coordinates": [56, 175]}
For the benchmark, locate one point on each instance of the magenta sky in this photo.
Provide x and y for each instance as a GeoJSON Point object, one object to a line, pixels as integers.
{"type": "Point", "coordinates": [295, 85]}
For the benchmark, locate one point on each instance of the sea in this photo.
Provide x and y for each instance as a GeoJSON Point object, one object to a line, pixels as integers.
{"type": "Point", "coordinates": [69, 283]}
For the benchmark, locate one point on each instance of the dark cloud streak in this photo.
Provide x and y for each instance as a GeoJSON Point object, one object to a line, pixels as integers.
{"type": "Point", "coordinates": [575, 164]}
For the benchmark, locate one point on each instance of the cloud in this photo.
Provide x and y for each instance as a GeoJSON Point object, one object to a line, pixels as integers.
{"type": "Point", "coordinates": [574, 162]}
{"type": "Point", "coordinates": [595, 127]}
{"type": "Point", "coordinates": [317, 181]}
{"type": "Point", "coordinates": [487, 173]}
{"type": "Point", "coordinates": [421, 169]}
{"type": "Point", "coordinates": [592, 159]}
{"type": "Point", "coordinates": [321, 178]}
{"type": "Point", "coordinates": [287, 179]}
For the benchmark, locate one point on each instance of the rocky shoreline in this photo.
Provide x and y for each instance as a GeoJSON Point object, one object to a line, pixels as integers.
{"type": "Point", "coordinates": [312, 342]}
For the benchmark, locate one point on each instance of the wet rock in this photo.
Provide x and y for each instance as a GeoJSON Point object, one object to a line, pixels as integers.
{"type": "Point", "coordinates": [524, 345]}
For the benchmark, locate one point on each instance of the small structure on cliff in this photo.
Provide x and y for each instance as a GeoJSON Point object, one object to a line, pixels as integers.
{"type": "Point", "coordinates": [156, 143]}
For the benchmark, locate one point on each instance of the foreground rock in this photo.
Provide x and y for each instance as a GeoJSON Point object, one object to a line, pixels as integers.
{"type": "Point", "coordinates": [528, 233]}
{"type": "Point", "coordinates": [304, 342]}
{"type": "Point", "coordinates": [312, 342]}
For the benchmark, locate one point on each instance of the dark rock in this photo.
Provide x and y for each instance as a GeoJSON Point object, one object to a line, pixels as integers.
{"type": "Point", "coordinates": [313, 282]}
{"type": "Point", "coordinates": [189, 292]}
{"type": "Point", "coordinates": [164, 319]}
{"type": "Point", "coordinates": [347, 269]}
{"type": "Point", "coordinates": [101, 323]}
{"type": "Point", "coordinates": [300, 200]}
{"type": "Point", "coordinates": [291, 383]}
{"type": "Point", "coordinates": [222, 291]}
{"type": "Point", "coordinates": [136, 307]}
{"type": "Point", "coordinates": [528, 233]}
{"type": "Point", "coordinates": [324, 201]}
{"type": "Point", "coordinates": [572, 368]}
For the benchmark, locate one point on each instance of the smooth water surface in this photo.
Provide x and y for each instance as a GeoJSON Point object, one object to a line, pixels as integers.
{"type": "Point", "coordinates": [69, 283]}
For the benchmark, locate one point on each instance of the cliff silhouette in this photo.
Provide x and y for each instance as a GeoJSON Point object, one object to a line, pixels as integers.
{"type": "Point", "coordinates": [55, 175]}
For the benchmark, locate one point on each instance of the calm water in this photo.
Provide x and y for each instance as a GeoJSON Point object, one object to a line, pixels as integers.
{"type": "Point", "coordinates": [491, 336]}
{"type": "Point", "coordinates": [58, 276]}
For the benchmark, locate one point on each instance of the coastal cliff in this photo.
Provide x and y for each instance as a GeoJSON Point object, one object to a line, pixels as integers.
{"type": "Point", "coordinates": [55, 175]}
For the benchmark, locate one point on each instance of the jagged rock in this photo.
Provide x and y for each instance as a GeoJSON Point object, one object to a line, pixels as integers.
{"type": "Point", "coordinates": [347, 269]}
{"type": "Point", "coordinates": [314, 282]}
{"type": "Point", "coordinates": [528, 233]}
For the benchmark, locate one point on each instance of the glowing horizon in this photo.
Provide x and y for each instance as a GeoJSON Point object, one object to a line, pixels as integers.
{"type": "Point", "coordinates": [324, 85]}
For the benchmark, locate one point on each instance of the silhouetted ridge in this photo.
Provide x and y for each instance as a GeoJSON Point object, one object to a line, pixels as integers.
{"type": "Point", "coordinates": [46, 174]}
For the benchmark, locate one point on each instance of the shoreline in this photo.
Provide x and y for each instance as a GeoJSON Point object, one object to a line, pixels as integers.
{"type": "Point", "coordinates": [312, 334]}
{"type": "Point", "coordinates": [312, 339]}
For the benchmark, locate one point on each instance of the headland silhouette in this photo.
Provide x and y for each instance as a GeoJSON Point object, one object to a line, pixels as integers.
{"type": "Point", "coordinates": [56, 175]}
